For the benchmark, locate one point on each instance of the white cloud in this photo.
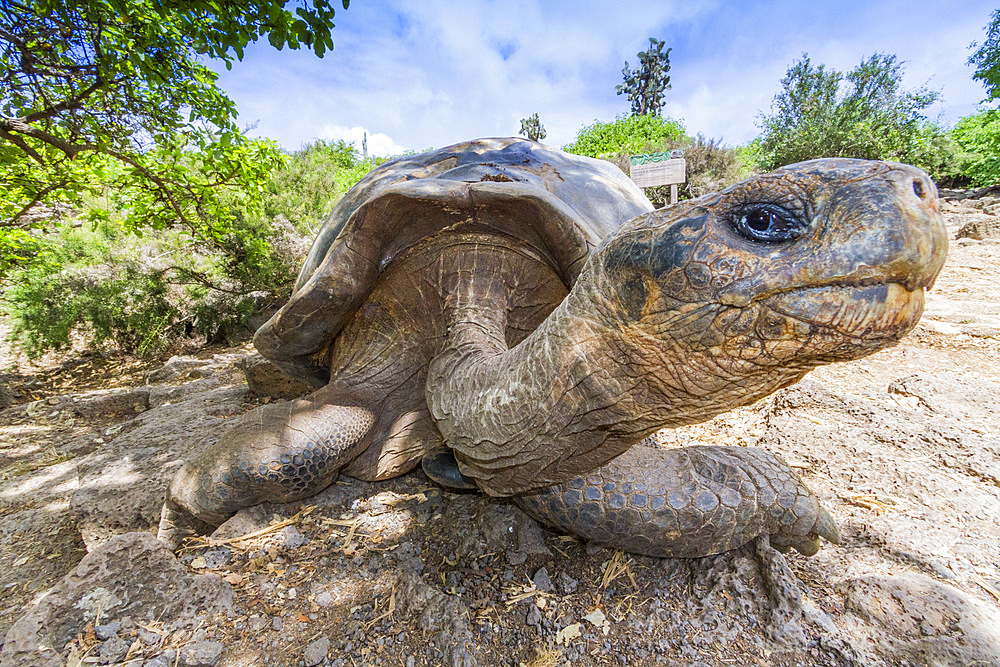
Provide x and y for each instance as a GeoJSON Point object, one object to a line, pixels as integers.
{"type": "Point", "coordinates": [379, 144]}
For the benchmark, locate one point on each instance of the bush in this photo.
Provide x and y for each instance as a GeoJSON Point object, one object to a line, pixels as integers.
{"type": "Point", "coordinates": [105, 287]}
{"type": "Point", "coordinates": [865, 114]}
{"type": "Point", "coordinates": [312, 181]}
{"type": "Point", "coordinates": [627, 135]}
{"type": "Point", "coordinates": [78, 285]}
{"type": "Point", "coordinates": [108, 283]}
{"type": "Point", "coordinates": [978, 139]}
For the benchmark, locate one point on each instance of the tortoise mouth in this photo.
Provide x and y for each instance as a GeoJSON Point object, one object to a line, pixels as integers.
{"type": "Point", "coordinates": [873, 312]}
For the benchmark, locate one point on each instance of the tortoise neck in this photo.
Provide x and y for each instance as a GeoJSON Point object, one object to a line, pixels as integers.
{"type": "Point", "coordinates": [509, 414]}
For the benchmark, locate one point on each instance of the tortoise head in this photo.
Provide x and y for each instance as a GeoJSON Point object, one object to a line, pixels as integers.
{"type": "Point", "coordinates": [819, 261]}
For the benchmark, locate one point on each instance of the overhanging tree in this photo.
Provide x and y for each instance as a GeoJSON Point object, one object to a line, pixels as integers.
{"type": "Point", "coordinates": [645, 86]}
{"type": "Point", "coordinates": [986, 59]}
{"type": "Point", "coordinates": [99, 91]}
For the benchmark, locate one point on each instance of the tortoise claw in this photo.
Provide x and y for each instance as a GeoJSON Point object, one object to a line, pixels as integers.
{"type": "Point", "coordinates": [176, 524]}
{"type": "Point", "coordinates": [442, 468]}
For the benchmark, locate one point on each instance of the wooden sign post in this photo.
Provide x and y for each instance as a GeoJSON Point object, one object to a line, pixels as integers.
{"type": "Point", "coordinates": [653, 169]}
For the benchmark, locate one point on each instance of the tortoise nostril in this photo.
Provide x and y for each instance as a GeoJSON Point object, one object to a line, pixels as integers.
{"type": "Point", "coordinates": [919, 189]}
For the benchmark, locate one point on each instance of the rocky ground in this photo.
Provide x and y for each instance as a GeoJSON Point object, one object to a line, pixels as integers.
{"type": "Point", "coordinates": [903, 447]}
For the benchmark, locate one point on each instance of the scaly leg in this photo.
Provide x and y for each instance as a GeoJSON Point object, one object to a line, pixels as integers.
{"type": "Point", "coordinates": [281, 452]}
{"type": "Point", "coordinates": [687, 502]}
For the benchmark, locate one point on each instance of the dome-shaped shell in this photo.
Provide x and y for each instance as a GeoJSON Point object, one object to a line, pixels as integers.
{"type": "Point", "coordinates": [559, 203]}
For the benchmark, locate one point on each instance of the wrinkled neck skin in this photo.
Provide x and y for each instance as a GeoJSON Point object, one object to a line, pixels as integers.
{"type": "Point", "coordinates": [589, 383]}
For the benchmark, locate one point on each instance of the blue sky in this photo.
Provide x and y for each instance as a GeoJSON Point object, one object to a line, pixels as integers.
{"type": "Point", "coordinates": [428, 73]}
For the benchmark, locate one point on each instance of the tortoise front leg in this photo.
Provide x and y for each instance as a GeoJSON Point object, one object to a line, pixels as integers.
{"type": "Point", "coordinates": [687, 502]}
{"type": "Point", "coordinates": [280, 452]}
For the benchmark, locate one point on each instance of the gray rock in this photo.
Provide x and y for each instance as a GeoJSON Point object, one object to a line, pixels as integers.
{"type": "Point", "coordinates": [180, 368]}
{"type": "Point", "coordinates": [132, 573]}
{"type": "Point", "coordinates": [113, 650]}
{"type": "Point", "coordinates": [292, 537]}
{"type": "Point", "coordinates": [107, 630]}
{"type": "Point", "coordinates": [166, 659]}
{"type": "Point", "coordinates": [316, 651]}
{"type": "Point", "coordinates": [244, 522]}
{"type": "Point", "coordinates": [445, 617]}
{"type": "Point", "coordinates": [121, 484]}
{"type": "Point", "coordinates": [217, 558]}
{"type": "Point", "coordinates": [117, 401]}
{"type": "Point", "coordinates": [912, 619]}
{"type": "Point", "coordinates": [981, 229]}
{"type": "Point", "coordinates": [542, 581]}
{"type": "Point", "coordinates": [201, 654]}
{"type": "Point", "coordinates": [507, 528]}
{"type": "Point", "coordinates": [277, 624]}
{"type": "Point", "coordinates": [567, 584]}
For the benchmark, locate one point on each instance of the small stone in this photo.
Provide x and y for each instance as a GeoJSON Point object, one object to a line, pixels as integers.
{"type": "Point", "coordinates": [534, 615]}
{"type": "Point", "coordinates": [216, 558]}
{"type": "Point", "coordinates": [257, 623]}
{"type": "Point", "coordinates": [113, 650]}
{"type": "Point", "coordinates": [567, 583]}
{"type": "Point", "coordinates": [106, 631]}
{"type": "Point", "coordinates": [516, 557]}
{"type": "Point", "coordinates": [277, 624]}
{"type": "Point", "coordinates": [201, 654]}
{"type": "Point", "coordinates": [316, 651]}
{"type": "Point", "coordinates": [542, 581]}
{"type": "Point", "coordinates": [293, 539]}
{"type": "Point", "coordinates": [165, 659]}
{"type": "Point", "coordinates": [324, 599]}
{"type": "Point", "coordinates": [149, 637]}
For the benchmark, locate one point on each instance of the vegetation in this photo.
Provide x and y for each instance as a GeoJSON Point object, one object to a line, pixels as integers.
{"type": "Point", "coordinates": [121, 86]}
{"type": "Point", "coordinates": [532, 128]}
{"type": "Point", "coordinates": [710, 165]}
{"type": "Point", "coordinates": [986, 59]}
{"type": "Point", "coordinates": [821, 112]}
{"type": "Point", "coordinates": [645, 86]}
{"type": "Point", "coordinates": [104, 286]}
{"type": "Point", "coordinates": [625, 134]}
{"type": "Point", "coordinates": [132, 207]}
{"type": "Point", "coordinates": [978, 139]}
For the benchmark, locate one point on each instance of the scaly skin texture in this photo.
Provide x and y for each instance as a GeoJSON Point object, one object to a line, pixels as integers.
{"type": "Point", "coordinates": [687, 502]}
{"type": "Point", "coordinates": [479, 311]}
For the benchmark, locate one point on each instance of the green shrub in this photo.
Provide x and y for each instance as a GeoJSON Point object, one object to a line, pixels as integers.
{"type": "Point", "coordinates": [865, 113]}
{"type": "Point", "coordinates": [312, 181]}
{"type": "Point", "coordinates": [105, 287]}
{"type": "Point", "coordinates": [101, 280]}
{"type": "Point", "coordinates": [79, 285]}
{"type": "Point", "coordinates": [710, 165]}
{"type": "Point", "coordinates": [978, 139]}
{"type": "Point", "coordinates": [629, 135]}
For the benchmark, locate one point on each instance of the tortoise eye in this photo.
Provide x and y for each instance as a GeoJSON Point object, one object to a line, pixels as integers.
{"type": "Point", "coordinates": [767, 223]}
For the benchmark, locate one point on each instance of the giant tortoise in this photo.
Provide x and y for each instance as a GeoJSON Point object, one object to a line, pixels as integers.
{"type": "Point", "coordinates": [519, 319]}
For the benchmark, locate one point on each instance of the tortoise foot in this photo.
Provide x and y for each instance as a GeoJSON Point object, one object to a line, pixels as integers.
{"type": "Point", "coordinates": [692, 502]}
